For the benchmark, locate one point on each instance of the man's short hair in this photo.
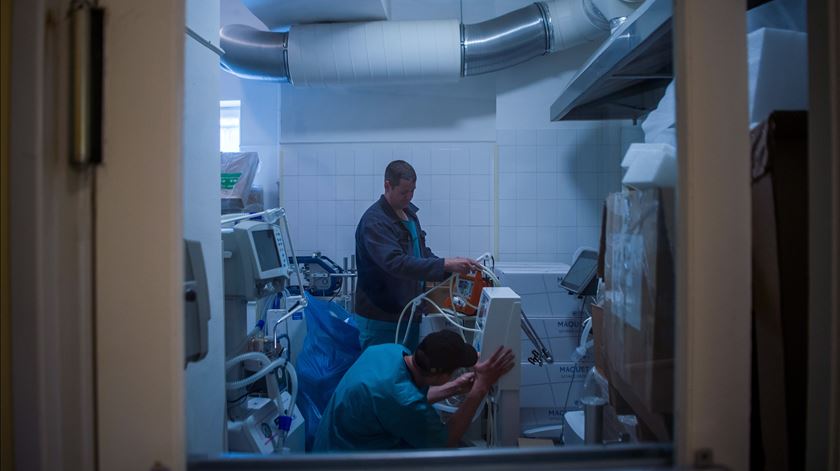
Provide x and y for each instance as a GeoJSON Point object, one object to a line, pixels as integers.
{"type": "Point", "coordinates": [399, 170]}
{"type": "Point", "coordinates": [444, 351]}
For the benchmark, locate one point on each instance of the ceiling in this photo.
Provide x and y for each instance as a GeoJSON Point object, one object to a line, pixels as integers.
{"type": "Point", "coordinates": [278, 15]}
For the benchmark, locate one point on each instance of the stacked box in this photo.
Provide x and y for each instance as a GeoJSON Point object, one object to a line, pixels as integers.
{"type": "Point", "coordinates": [560, 334]}
{"type": "Point", "coordinates": [557, 319]}
{"type": "Point", "coordinates": [638, 310]}
{"type": "Point", "coordinates": [554, 314]}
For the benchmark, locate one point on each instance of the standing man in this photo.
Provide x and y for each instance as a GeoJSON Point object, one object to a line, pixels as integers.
{"type": "Point", "coordinates": [394, 262]}
{"type": "Point", "coordinates": [384, 401]}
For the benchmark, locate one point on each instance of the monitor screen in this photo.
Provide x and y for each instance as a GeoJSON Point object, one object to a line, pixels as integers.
{"type": "Point", "coordinates": [266, 247]}
{"type": "Point", "coordinates": [581, 272]}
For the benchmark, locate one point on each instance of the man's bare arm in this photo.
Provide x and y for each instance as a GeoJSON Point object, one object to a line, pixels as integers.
{"type": "Point", "coordinates": [459, 385]}
{"type": "Point", "coordinates": [487, 373]}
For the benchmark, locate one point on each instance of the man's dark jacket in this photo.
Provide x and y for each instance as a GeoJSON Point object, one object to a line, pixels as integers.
{"type": "Point", "coordinates": [389, 273]}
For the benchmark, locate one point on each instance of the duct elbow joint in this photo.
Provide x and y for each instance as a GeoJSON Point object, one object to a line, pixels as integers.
{"type": "Point", "coordinates": [254, 54]}
{"type": "Point", "coordinates": [506, 40]}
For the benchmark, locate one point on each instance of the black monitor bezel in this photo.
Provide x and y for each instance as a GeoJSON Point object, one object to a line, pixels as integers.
{"type": "Point", "coordinates": [580, 289]}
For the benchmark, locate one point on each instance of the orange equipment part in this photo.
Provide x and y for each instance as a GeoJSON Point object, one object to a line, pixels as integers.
{"type": "Point", "coordinates": [467, 294]}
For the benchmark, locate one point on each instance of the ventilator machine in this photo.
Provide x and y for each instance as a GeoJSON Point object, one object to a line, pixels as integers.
{"type": "Point", "coordinates": [261, 383]}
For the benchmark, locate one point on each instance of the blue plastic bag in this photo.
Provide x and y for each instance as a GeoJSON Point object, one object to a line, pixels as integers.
{"type": "Point", "coordinates": [330, 348]}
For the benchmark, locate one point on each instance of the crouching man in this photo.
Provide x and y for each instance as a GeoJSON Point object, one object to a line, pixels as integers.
{"type": "Point", "coordinates": [385, 399]}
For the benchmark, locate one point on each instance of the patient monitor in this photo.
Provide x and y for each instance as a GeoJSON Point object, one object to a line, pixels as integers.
{"type": "Point", "coordinates": [498, 319]}
{"type": "Point", "coordinates": [581, 279]}
{"type": "Point", "coordinates": [256, 264]}
{"type": "Point", "coordinates": [256, 267]}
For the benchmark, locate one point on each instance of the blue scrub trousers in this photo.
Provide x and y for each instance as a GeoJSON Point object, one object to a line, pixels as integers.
{"type": "Point", "coordinates": [375, 332]}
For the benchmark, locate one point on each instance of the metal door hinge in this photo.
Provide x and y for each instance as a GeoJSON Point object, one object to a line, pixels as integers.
{"type": "Point", "coordinates": [86, 65]}
{"type": "Point", "coordinates": [704, 458]}
{"type": "Point", "coordinates": [158, 466]}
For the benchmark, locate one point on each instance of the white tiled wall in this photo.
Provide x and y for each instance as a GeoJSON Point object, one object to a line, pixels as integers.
{"type": "Point", "coordinates": [266, 177]}
{"type": "Point", "coordinates": [558, 322]}
{"type": "Point", "coordinates": [326, 188]}
{"type": "Point", "coordinates": [552, 183]}
{"type": "Point", "coordinates": [548, 385]}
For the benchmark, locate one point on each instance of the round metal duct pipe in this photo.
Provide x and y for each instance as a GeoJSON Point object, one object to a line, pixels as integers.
{"type": "Point", "coordinates": [408, 51]}
{"type": "Point", "coordinates": [506, 40]}
{"type": "Point", "coordinates": [254, 54]}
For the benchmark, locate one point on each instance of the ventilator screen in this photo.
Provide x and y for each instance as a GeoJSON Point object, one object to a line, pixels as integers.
{"type": "Point", "coordinates": [266, 248]}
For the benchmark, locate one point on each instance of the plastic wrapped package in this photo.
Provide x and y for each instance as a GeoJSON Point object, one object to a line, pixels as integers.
{"type": "Point", "coordinates": [779, 14]}
{"type": "Point", "coordinates": [650, 165]}
{"type": "Point", "coordinates": [255, 202]}
{"type": "Point", "coordinates": [329, 350]}
{"type": "Point", "coordinates": [595, 385]}
{"type": "Point", "coordinates": [638, 310]}
{"type": "Point", "coordinates": [777, 72]}
{"type": "Point", "coordinates": [659, 125]}
{"type": "Point", "coordinates": [237, 176]}
{"type": "Point", "coordinates": [778, 59]}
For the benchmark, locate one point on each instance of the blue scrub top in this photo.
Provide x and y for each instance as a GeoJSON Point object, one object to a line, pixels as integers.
{"type": "Point", "coordinates": [415, 237]}
{"type": "Point", "coordinates": [415, 242]}
{"type": "Point", "coordinates": [377, 406]}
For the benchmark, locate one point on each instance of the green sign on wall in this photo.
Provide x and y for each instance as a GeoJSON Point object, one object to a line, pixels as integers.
{"type": "Point", "coordinates": [229, 180]}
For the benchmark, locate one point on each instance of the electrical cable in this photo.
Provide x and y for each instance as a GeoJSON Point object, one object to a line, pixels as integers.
{"type": "Point", "coordinates": [238, 399]}
{"type": "Point", "coordinates": [415, 302]}
{"type": "Point", "coordinates": [487, 271]}
{"type": "Point", "coordinates": [449, 315]}
{"type": "Point", "coordinates": [492, 417]}
{"type": "Point", "coordinates": [448, 283]}
{"type": "Point", "coordinates": [288, 349]}
{"type": "Point", "coordinates": [571, 382]}
{"type": "Point", "coordinates": [408, 324]}
{"type": "Point", "coordinates": [267, 367]}
{"type": "Point", "coordinates": [298, 306]}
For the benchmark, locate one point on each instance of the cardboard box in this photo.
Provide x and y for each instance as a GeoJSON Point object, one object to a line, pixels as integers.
{"type": "Point", "coordinates": [539, 286]}
{"type": "Point", "coordinates": [599, 353]}
{"type": "Point", "coordinates": [638, 310]}
{"type": "Point", "coordinates": [557, 385]}
{"type": "Point", "coordinates": [561, 335]}
{"type": "Point", "coordinates": [779, 290]}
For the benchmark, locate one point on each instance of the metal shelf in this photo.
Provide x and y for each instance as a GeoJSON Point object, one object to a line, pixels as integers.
{"type": "Point", "coordinates": [627, 75]}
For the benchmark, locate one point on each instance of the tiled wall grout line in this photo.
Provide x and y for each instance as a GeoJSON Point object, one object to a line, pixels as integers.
{"type": "Point", "coordinates": [533, 195]}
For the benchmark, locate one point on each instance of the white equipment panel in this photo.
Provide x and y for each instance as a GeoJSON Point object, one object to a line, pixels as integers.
{"type": "Point", "coordinates": [498, 318]}
{"type": "Point", "coordinates": [258, 431]}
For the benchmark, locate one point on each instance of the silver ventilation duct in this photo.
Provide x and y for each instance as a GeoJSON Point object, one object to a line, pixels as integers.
{"type": "Point", "coordinates": [408, 51]}
{"type": "Point", "coordinates": [506, 40]}
{"type": "Point", "coordinates": [254, 54]}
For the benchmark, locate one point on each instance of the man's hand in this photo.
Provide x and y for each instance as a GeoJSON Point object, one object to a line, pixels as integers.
{"type": "Point", "coordinates": [460, 385]}
{"type": "Point", "coordinates": [460, 265]}
{"type": "Point", "coordinates": [489, 371]}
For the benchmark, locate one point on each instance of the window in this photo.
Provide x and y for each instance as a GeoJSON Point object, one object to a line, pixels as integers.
{"type": "Point", "coordinates": [229, 125]}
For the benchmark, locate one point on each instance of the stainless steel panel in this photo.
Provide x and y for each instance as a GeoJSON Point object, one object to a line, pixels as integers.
{"type": "Point", "coordinates": [627, 75]}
